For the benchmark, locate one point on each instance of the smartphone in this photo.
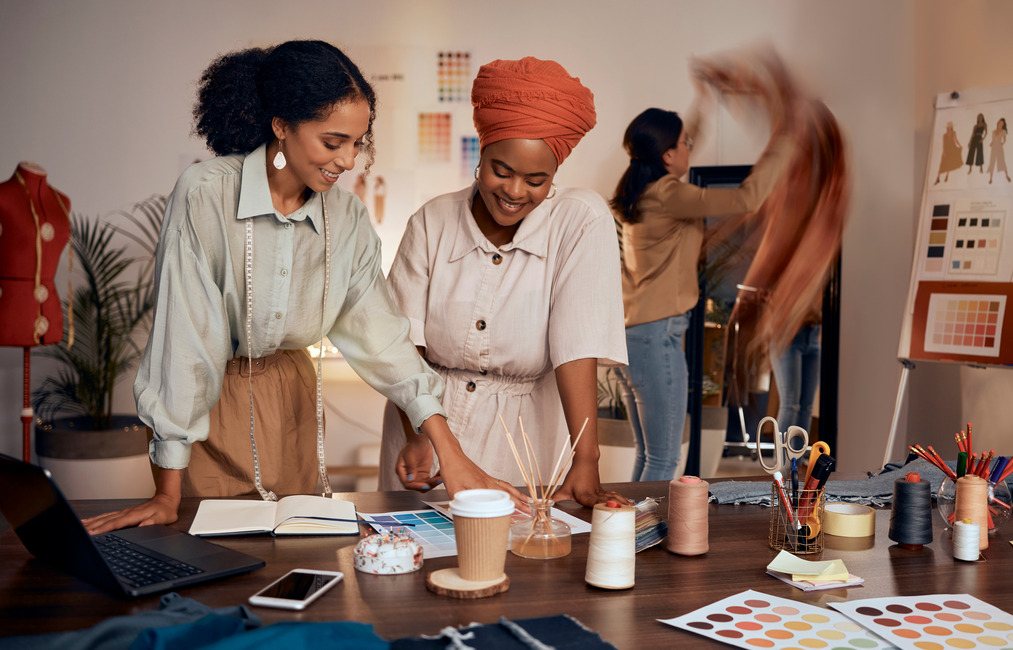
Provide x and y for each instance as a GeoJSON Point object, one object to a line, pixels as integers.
{"type": "Point", "coordinates": [296, 589]}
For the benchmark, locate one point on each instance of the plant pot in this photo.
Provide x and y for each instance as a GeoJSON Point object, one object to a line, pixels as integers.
{"type": "Point", "coordinates": [89, 464]}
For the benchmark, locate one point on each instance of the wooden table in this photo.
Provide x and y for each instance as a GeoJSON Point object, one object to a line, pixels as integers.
{"type": "Point", "coordinates": [35, 598]}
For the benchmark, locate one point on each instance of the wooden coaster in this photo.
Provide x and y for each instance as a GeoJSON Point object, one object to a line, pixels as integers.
{"type": "Point", "coordinates": [448, 582]}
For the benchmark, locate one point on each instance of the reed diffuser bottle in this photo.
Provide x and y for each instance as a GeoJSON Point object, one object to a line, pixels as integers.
{"type": "Point", "coordinates": [541, 537]}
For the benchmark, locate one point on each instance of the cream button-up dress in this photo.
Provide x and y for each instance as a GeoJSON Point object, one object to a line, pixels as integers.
{"type": "Point", "coordinates": [496, 322]}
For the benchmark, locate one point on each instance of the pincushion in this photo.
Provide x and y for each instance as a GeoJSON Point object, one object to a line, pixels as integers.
{"type": "Point", "coordinates": [388, 554]}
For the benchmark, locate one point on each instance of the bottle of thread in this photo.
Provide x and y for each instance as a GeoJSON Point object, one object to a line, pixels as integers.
{"type": "Point", "coordinates": [972, 503]}
{"type": "Point", "coordinates": [611, 553]}
{"type": "Point", "coordinates": [687, 516]}
{"type": "Point", "coordinates": [911, 514]}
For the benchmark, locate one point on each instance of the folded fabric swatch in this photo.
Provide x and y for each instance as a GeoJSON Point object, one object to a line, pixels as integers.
{"type": "Point", "coordinates": [877, 490]}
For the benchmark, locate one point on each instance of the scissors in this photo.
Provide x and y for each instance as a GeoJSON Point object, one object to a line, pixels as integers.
{"type": "Point", "coordinates": [787, 445]}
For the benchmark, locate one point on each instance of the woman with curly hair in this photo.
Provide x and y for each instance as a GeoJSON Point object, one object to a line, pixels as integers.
{"type": "Point", "coordinates": [262, 254]}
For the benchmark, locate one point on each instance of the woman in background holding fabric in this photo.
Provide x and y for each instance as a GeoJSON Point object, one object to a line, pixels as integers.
{"type": "Point", "coordinates": [260, 256]}
{"type": "Point", "coordinates": [512, 288]}
{"type": "Point", "coordinates": [663, 232]}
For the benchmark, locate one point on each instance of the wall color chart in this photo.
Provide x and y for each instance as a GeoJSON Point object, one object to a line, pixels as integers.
{"type": "Point", "coordinates": [434, 137]}
{"type": "Point", "coordinates": [453, 71]}
{"type": "Point", "coordinates": [937, 622]}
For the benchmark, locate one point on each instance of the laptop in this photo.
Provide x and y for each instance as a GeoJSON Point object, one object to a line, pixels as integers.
{"type": "Point", "coordinates": [132, 562]}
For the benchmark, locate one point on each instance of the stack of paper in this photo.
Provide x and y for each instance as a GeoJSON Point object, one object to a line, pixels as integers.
{"type": "Point", "coordinates": [810, 576]}
{"type": "Point", "coordinates": [650, 529]}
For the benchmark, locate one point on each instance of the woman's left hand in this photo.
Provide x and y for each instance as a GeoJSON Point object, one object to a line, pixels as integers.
{"type": "Point", "coordinates": [583, 485]}
{"type": "Point", "coordinates": [415, 465]}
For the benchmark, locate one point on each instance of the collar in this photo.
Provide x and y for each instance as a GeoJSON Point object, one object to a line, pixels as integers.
{"type": "Point", "coordinates": [532, 237]}
{"type": "Point", "coordinates": [255, 195]}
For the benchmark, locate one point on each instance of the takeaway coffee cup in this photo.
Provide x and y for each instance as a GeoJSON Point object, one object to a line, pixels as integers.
{"type": "Point", "coordinates": [482, 529]}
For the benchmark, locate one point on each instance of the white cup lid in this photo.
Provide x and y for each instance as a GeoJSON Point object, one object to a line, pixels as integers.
{"type": "Point", "coordinates": [481, 503]}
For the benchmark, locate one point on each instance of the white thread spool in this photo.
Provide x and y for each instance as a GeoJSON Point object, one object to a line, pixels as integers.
{"type": "Point", "coordinates": [965, 540]}
{"type": "Point", "coordinates": [611, 553]}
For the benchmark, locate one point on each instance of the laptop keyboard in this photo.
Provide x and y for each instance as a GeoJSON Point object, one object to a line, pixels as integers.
{"type": "Point", "coordinates": [134, 565]}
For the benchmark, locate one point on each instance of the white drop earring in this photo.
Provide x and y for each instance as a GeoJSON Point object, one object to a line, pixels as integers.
{"type": "Point", "coordinates": [279, 158]}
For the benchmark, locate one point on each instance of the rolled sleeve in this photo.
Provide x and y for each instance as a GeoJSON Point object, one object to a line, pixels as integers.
{"type": "Point", "coordinates": [586, 314]}
{"type": "Point", "coordinates": [373, 336]}
{"type": "Point", "coordinates": [180, 374]}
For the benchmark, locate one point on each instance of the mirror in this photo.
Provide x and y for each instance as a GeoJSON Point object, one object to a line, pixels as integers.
{"type": "Point", "coordinates": [721, 271]}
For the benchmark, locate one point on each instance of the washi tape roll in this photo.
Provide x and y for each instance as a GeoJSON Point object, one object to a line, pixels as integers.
{"type": "Point", "coordinates": [849, 520]}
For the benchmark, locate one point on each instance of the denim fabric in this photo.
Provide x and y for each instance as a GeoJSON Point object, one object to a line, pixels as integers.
{"type": "Point", "coordinates": [654, 389]}
{"type": "Point", "coordinates": [797, 373]}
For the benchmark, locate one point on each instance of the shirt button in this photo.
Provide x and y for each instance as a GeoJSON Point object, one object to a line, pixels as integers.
{"type": "Point", "coordinates": [284, 272]}
{"type": "Point", "coordinates": [497, 259]}
{"type": "Point", "coordinates": [288, 225]}
{"type": "Point", "coordinates": [277, 314]}
{"type": "Point", "coordinates": [480, 325]}
{"type": "Point", "coordinates": [483, 372]}
{"type": "Point", "coordinates": [470, 387]}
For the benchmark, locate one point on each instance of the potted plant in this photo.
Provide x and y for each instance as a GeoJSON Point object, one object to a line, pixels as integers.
{"type": "Point", "coordinates": [73, 407]}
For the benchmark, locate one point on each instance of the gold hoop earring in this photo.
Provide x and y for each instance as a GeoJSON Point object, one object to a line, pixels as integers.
{"type": "Point", "coordinates": [476, 173]}
{"type": "Point", "coordinates": [553, 193]}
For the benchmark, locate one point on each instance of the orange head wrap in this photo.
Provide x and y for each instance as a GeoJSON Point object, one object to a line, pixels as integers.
{"type": "Point", "coordinates": [531, 99]}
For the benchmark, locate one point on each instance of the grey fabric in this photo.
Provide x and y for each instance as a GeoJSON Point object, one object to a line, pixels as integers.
{"type": "Point", "coordinates": [877, 490]}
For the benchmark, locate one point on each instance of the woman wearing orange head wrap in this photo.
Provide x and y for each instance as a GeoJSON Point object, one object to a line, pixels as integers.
{"type": "Point", "coordinates": [512, 289]}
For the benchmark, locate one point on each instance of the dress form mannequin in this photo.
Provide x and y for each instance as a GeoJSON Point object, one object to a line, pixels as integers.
{"type": "Point", "coordinates": [30, 309]}
{"type": "Point", "coordinates": [34, 228]}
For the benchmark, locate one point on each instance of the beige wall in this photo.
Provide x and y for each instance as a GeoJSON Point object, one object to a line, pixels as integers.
{"type": "Point", "coordinates": [99, 93]}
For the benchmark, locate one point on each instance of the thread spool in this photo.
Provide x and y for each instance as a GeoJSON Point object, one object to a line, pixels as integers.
{"type": "Point", "coordinates": [687, 516]}
{"type": "Point", "coordinates": [972, 503]}
{"type": "Point", "coordinates": [911, 515]}
{"type": "Point", "coordinates": [611, 553]}
{"type": "Point", "coordinates": [965, 540]}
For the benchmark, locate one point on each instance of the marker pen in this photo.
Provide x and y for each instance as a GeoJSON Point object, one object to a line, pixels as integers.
{"type": "Point", "coordinates": [785, 503]}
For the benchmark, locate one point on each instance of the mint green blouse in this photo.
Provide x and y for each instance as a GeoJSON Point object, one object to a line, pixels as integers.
{"type": "Point", "coordinates": [200, 302]}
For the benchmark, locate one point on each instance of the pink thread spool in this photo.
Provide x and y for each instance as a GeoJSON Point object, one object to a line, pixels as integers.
{"type": "Point", "coordinates": [687, 516]}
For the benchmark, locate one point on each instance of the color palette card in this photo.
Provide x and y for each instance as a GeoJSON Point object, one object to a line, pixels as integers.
{"type": "Point", "coordinates": [755, 620]}
{"type": "Point", "coordinates": [935, 622]}
{"type": "Point", "coordinates": [433, 531]}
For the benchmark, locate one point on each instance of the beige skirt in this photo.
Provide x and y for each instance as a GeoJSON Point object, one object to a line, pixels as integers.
{"type": "Point", "coordinates": [284, 399]}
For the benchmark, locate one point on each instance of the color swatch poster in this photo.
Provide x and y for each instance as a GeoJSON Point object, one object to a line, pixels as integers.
{"type": "Point", "coordinates": [962, 272]}
{"type": "Point", "coordinates": [453, 76]}
{"type": "Point", "coordinates": [755, 620]}
{"type": "Point", "coordinates": [938, 622]}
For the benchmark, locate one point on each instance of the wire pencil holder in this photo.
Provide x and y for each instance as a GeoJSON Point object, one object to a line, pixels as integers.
{"type": "Point", "coordinates": [808, 511]}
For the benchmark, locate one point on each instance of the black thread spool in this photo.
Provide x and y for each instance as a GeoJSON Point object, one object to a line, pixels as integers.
{"type": "Point", "coordinates": [911, 516]}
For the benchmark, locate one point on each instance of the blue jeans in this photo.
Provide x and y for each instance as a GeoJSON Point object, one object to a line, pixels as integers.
{"type": "Point", "coordinates": [797, 373]}
{"type": "Point", "coordinates": [654, 388]}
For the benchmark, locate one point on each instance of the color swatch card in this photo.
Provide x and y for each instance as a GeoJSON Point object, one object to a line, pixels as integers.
{"type": "Point", "coordinates": [936, 622]}
{"type": "Point", "coordinates": [433, 531]}
{"type": "Point", "coordinates": [965, 324]}
{"type": "Point", "coordinates": [755, 620]}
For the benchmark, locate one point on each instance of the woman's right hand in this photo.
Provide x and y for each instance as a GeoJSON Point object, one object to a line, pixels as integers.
{"type": "Point", "coordinates": [161, 509]}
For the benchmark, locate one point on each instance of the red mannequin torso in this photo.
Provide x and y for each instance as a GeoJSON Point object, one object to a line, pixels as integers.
{"type": "Point", "coordinates": [30, 309]}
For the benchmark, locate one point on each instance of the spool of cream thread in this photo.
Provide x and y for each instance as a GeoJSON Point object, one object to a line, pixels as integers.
{"type": "Point", "coordinates": [611, 553]}
{"type": "Point", "coordinates": [687, 516]}
{"type": "Point", "coordinates": [965, 540]}
{"type": "Point", "coordinates": [972, 503]}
